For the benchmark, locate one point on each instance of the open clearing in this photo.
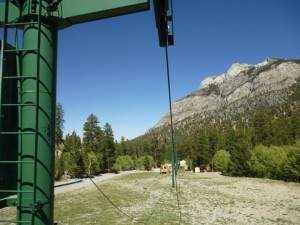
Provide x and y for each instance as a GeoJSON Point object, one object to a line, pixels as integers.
{"type": "Point", "coordinates": [204, 199]}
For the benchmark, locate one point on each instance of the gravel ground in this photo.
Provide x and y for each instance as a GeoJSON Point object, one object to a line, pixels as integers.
{"type": "Point", "coordinates": [205, 198]}
{"type": "Point", "coordinates": [86, 182]}
{"type": "Point", "coordinates": [215, 199]}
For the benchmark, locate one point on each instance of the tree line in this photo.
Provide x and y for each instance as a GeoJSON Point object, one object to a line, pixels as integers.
{"type": "Point", "coordinates": [97, 151]}
{"type": "Point", "coordinates": [251, 144]}
{"type": "Point", "coordinates": [262, 143]}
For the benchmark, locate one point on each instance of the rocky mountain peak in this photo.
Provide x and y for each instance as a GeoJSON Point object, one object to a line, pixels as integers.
{"type": "Point", "coordinates": [242, 87]}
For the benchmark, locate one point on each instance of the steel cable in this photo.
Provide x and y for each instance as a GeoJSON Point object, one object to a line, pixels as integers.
{"type": "Point", "coordinates": [172, 126]}
{"type": "Point", "coordinates": [109, 200]}
{"type": "Point", "coordinates": [144, 221]}
{"type": "Point", "coordinates": [171, 114]}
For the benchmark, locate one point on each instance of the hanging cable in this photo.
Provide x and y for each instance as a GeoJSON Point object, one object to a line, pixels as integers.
{"type": "Point", "coordinates": [109, 200]}
{"type": "Point", "coordinates": [145, 222]}
{"type": "Point", "coordinates": [174, 155]}
{"type": "Point", "coordinates": [170, 112]}
{"type": "Point", "coordinates": [172, 130]}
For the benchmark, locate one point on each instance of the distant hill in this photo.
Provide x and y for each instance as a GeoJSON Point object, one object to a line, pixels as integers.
{"type": "Point", "coordinates": [243, 88]}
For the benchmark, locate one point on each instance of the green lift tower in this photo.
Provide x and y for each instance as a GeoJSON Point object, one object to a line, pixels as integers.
{"type": "Point", "coordinates": [28, 93]}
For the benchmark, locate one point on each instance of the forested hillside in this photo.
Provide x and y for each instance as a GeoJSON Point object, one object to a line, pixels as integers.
{"type": "Point", "coordinates": [263, 141]}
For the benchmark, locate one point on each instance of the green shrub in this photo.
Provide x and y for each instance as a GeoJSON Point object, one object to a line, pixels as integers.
{"type": "Point", "coordinates": [222, 161]}
{"type": "Point", "coordinates": [139, 163]}
{"type": "Point", "coordinates": [292, 166]}
{"type": "Point", "coordinates": [70, 164]}
{"type": "Point", "coordinates": [59, 167]}
{"type": "Point", "coordinates": [268, 162]}
{"type": "Point", "coordinates": [124, 162]}
{"type": "Point", "coordinates": [144, 163]}
{"type": "Point", "coordinates": [91, 161]}
{"type": "Point", "coordinates": [189, 163]}
{"type": "Point", "coordinates": [148, 163]}
{"type": "Point", "coordinates": [276, 162]}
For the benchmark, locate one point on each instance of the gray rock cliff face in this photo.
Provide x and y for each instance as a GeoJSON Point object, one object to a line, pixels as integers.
{"type": "Point", "coordinates": [243, 87]}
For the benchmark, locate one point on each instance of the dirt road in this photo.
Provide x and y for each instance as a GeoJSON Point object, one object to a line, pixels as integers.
{"type": "Point", "coordinates": [85, 182]}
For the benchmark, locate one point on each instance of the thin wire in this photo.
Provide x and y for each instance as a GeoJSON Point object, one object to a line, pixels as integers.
{"type": "Point", "coordinates": [170, 100]}
{"type": "Point", "coordinates": [171, 124]}
{"type": "Point", "coordinates": [171, 112]}
{"type": "Point", "coordinates": [109, 200]}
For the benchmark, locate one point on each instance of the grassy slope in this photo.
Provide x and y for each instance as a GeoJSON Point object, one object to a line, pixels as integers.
{"type": "Point", "coordinates": [205, 199]}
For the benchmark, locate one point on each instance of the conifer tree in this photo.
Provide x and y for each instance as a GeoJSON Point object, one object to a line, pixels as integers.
{"type": "Point", "coordinates": [123, 146]}
{"type": "Point", "coordinates": [59, 127]}
{"type": "Point", "coordinates": [73, 157]}
{"type": "Point", "coordinates": [201, 157]}
{"type": "Point", "coordinates": [59, 124]}
{"type": "Point", "coordinates": [108, 148]}
{"type": "Point", "coordinates": [92, 142]}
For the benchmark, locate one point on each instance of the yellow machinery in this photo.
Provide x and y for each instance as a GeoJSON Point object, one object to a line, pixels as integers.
{"type": "Point", "coordinates": [164, 168]}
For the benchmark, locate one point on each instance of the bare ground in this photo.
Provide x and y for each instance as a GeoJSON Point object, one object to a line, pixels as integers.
{"type": "Point", "coordinates": [86, 182]}
{"type": "Point", "coordinates": [206, 198]}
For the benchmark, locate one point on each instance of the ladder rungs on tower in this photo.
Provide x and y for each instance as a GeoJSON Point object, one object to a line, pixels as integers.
{"type": "Point", "coordinates": [21, 24]}
{"type": "Point", "coordinates": [19, 77]}
{"type": "Point", "coordinates": [16, 162]}
{"type": "Point", "coordinates": [17, 104]}
{"type": "Point", "coordinates": [9, 104]}
{"type": "Point", "coordinates": [17, 133]}
{"type": "Point", "coordinates": [15, 191]}
{"type": "Point", "coordinates": [14, 221]}
{"type": "Point", "coordinates": [20, 50]}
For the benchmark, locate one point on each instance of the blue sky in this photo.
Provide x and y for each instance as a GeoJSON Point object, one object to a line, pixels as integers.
{"type": "Point", "coordinates": [115, 69]}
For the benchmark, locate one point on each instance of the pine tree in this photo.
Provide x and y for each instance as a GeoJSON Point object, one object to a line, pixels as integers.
{"type": "Point", "coordinates": [92, 133]}
{"type": "Point", "coordinates": [59, 127]}
{"type": "Point", "coordinates": [213, 140]}
{"type": "Point", "coordinates": [93, 141]}
{"type": "Point", "coordinates": [202, 148]}
{"type": "Point", "coordinates": [108, 149]}
{"type": "Point", "coordinates": [187, 149]}
{"type": "Point", "coordinates": [73, 157]}
{"type": "Point", "coordinates": [155, 147]}
{"type": "Point", "coordinates": [295, 125]}
{"type": "Point", "coordinates": [59, 124]}
{"type": "Point", "coordinates": [123, 147]}
{"type": "Point", "coordinates": [262, 128]}
{"type": "Point", "coordinates": [239, 147]}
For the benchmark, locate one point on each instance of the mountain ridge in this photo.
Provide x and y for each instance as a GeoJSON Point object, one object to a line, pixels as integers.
{"type": "Point", "coordinates": [242, 88]}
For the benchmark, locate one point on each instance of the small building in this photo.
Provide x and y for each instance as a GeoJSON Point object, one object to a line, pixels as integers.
{"type": "Point", "coordinates": [197, 169]}
{"type": "Point", "coordinates": [183, 165]}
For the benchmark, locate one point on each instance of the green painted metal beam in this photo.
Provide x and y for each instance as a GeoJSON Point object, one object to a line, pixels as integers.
{"type": "Point", "coordinates": [79, 11]}
{"type": "Point", "coordinates": [13, 14]}
{"type": "Point", "coordinates": [72, 12]}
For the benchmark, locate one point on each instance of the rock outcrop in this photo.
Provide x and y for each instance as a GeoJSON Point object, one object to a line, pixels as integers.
{"type": "Point", "coordinates": [242, 88]}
